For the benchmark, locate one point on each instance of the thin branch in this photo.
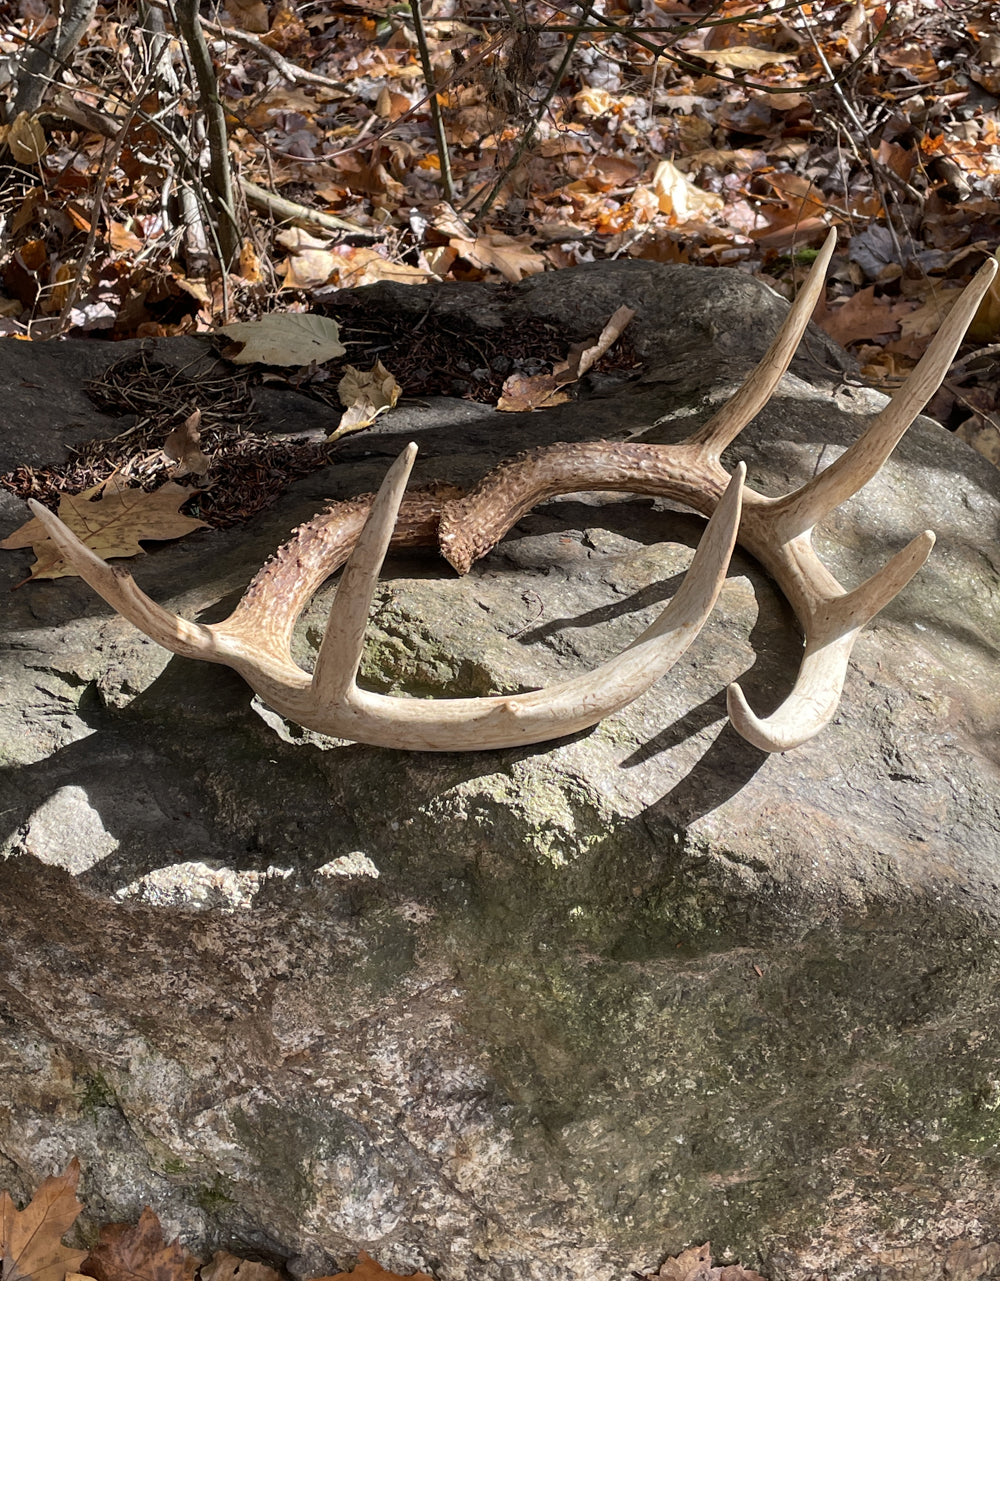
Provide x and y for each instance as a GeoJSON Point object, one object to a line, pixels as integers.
{"type": "Point", "coordinates": [289, 71]}
{"type": "Point", "coordinates": [43, 60]}
{"type": "Point", "coordinates": [285, 208]}
{"type": "Point", "coordinates": [444, 160]}
{"type": "Point", "coordinates": [227, 225]}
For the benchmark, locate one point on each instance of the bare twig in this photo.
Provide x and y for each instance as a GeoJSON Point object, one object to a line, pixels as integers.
{"type": "Point", "coordinates": [444, 160]}
{"type": "Point", "coordinates": [284, 208]}
{"type": "Point", "coordinates": [226, 226]}
{"type": "Point", "coordinates": [289, 71]}
{"type": "Point", "coordinates": [862, 143]}
{"type": "Point", "coordinates": [153, 31]}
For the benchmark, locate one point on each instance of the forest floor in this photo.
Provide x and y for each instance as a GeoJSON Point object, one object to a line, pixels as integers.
{"type": "Point", "coordinates": [727, 134]}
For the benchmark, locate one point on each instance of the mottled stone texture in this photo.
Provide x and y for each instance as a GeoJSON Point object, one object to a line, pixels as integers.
{"type": "Point", "coordinates": [532, 1014]}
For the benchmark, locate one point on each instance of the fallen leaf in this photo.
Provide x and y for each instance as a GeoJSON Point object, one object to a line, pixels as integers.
{"type": "Point", "coordinates": [110, 525]}
{"type": "Point", "coordinates": [982, 435]}
{"type": "Point", "coordinates": [927, 317]}
{"type": "Point", "coordinates": [874, 251]}
{"type": "Point", "coordinates": [613, 171]}
{"type": "Point", "coordinates": [860, 317]}
{"type": "Point", "coordinates": [127, 1252]}
{"type": "Point", "coordinates": [367, 1269]}
{"type": "Point", "coordinates": [529, 392]}
{"type": "Point", "coordinates": [310, 262]}
{"type": "Point", "coordinates": [794, 233]}
{"type": "Point", "coordinates": [366, 394]}
{"type": "Point", "coordinates": [121, 239]}
{"type": "Point", "coordinates": [31, 1246]}
{"type": "Point", "coordinates": [183, 445]}
{"type": "Point", "coordinates": [695, 1264]}
{"type": "Point", "coordinates": [249, 15]}
{"type": "Point", "coordinates": [678, 196]}
{"type": "Point", "coordinates": [514, 259]}
{"type": "Point", "coordinates": [26, 140]}
{"type": "Point", "coordinates": [743, 57]}
{"type": "Point", "coordinates": [250, 266]}
{"type": "Point", "coordinates": [445, 219]}
{"type": "Point", "coordinates": [226, 1267]}
{"type": "Point", "coordinates": [281, 338]}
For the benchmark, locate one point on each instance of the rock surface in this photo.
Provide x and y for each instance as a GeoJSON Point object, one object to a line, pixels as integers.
{"type": "Point", "coordinates": [554, 1013]}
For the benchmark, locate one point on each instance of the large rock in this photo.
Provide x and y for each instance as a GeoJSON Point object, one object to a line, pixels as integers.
{"type": "Point", "coordinates": [552, 1013]}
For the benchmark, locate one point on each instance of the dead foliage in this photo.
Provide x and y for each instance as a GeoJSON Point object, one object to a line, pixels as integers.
{"type": "Point", "coordinates": [696, 1264]}
{"type": "Point", "coordinates": [712, 134]}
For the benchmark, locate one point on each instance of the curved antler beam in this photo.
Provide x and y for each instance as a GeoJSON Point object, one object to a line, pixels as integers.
{"type": "Point", "coordinates": [332, 703]}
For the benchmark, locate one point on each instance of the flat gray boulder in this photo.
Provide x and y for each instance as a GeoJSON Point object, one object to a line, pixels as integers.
{"type": "Point", "coordinates": [546, 1013]}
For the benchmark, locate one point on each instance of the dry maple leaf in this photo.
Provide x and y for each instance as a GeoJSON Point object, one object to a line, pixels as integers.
{"type": "Point", "coordinates": [514, 259]}
{"type": "Point", "coordinates": [528, 392]}
{"type": "Point", "coordinates": [31, 1238]}
{"type": "Point", "coordinates": [367, 1269]}
{"type": "Point", "coordinates": [695, 1264]}
{"type": "Point", "coordinates": [862, 317]}
{"type": "Point", "coordinates": [110, 519]}
{"type": "Point", "coordinates": [127, 1252]}
{"type": "Point", "coordinates": [227, 1267]}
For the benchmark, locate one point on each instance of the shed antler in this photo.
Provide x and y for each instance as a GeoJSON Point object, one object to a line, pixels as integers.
{"type": "Point", "coordinates": [256, 638]}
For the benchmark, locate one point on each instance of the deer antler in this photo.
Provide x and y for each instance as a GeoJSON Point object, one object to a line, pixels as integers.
{"type": "Point", "coordinates": [776, 531]}
{"type": "Point", "coordinates": [256, 638]}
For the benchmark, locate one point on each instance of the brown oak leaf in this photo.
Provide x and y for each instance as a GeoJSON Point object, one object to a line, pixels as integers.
{"type": "Point", "coordinates": [528, 392]}
{"type": "Point", "coordinates": [366, 395]}
{"type": "Point", "coordinates": [31, 1238]}
{"type": "Point", "coordinates": [695, 1264]}
{"type": "Point", "coordinates": [110, 518]}
{"type": "Point", "coordinates": [862, 317]}
{"type": "Point", "coordinates": [368, 1269]}
{"type": "Point", "coordinates": [137, 1252]}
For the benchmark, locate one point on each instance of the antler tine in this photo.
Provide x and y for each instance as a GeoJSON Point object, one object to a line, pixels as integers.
{"type": "Point", "coordinates": [832, 626]}
{"type": "Point", "coordinates": [344, 639]}
{"type": "Point", "coordinates": [124, 595]}
{"type": "Point", "coordinates": [808, 505]}
{"type": "Point", "coordinates": [756, 391]}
